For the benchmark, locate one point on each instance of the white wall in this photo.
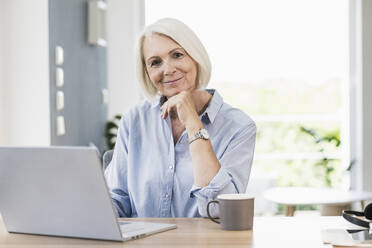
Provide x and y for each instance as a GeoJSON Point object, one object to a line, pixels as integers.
{"type": "Point", "coordinates": [125, 19]}
{"type": "Point", "coordinates": [355, 93]}
{"type": "Point", "coordinates": [2, 138]}
{"type": "Point", "coordinates": [24, 99]}
{"type": "Point", "coordinates": [361, 92]}
{"type": "Point", "coordinates": [367, 93]}
{"type": "Point", "coordinates": [25, 72]}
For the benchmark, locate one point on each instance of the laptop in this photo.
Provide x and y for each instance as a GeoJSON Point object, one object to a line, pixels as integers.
{"type": "Point", "coordinates": [61, 191]}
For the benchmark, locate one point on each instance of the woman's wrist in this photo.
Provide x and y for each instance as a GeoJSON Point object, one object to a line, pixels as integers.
{"type": "Point", "coordinates": [193, 127]}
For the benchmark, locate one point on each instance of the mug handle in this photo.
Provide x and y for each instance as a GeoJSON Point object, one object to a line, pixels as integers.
{"type": "Point", "coordinates": [209, 215]}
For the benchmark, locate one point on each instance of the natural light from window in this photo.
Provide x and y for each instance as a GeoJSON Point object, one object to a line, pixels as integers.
{"type": "Point", "coordinates": [285, 63]}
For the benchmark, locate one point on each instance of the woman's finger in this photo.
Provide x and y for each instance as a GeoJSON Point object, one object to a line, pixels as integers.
{"type": "Point", "coordinates": [165, 112]}
{"type": "Point", "coordinates": [165, 109]}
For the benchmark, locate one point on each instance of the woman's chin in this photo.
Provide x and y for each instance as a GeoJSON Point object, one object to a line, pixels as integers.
{"type": "Point", "coordinates": [172, 91]}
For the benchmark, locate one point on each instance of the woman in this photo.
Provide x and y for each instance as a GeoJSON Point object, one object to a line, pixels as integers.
{"type": "Point", "coordinates": [177, 152]}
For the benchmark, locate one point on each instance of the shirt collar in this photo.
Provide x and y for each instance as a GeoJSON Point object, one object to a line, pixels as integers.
{"type": "Point", "coordinates": [158, 101]}
{"type": "Point", "coordinates": [211, 111]}
{"type": "Point", "coordinates": [214, 105]}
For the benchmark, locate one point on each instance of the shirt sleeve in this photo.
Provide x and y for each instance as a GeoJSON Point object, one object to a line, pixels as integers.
{"type": "Point", "coordinates": [234, 173]}
{"type": "Point", "coordinates": [116, 173]}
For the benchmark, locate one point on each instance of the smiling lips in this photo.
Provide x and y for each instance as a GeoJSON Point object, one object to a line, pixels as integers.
{"type": "Point", "coordinates": [173, 82]}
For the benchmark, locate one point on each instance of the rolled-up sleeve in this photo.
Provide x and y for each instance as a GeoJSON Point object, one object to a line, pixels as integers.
{"type": "Point", "coordinates": [116, 173]}
{"type": "Point", "coordinates": [234, 173]}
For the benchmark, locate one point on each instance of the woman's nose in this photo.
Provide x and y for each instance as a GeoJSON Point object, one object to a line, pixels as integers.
{"type": "Point", "coordinates": [169, 69]}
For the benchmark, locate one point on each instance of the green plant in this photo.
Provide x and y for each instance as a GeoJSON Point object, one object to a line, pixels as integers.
{"type": "Point", "coordinates": [326, 163]}
{"type": "Point", "coordinates": [111, 130]}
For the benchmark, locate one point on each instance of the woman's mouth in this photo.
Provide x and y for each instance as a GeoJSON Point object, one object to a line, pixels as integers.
{"type": "Point", "coordinates": [173, 81]}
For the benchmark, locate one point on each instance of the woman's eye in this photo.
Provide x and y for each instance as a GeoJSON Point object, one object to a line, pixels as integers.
{"type": "Point", "coordinates": [177, 55]}
{"type": "Point", "coordinates": [155, 62]}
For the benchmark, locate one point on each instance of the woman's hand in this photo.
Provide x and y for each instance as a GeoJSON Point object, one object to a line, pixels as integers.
{"type": "Point", "coordinates": [187, 105]}
{"type": "Point", "coordinates": [183, 105]}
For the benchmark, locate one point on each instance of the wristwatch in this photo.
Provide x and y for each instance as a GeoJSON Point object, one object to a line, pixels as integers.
{"type": "Point", "coordinates": [201, 134]}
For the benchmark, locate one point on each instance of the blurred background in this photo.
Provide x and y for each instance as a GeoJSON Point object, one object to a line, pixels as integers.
{"type": "Point", "coordinates": [299, 68]}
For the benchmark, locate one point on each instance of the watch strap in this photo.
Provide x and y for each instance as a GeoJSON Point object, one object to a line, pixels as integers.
{"type": "Point", "coordinates": [197, 135]}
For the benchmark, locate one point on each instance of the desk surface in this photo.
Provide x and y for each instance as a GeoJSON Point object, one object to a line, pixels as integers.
{"type": "Point", "coordinates": [199, 232]}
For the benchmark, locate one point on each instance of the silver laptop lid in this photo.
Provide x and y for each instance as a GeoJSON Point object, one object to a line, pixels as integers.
{"type": "Point", "coordinates": [56, 191]}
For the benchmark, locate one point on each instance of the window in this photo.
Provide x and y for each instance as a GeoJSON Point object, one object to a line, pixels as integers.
{"type": "Point", "coordinates": [284, 63]}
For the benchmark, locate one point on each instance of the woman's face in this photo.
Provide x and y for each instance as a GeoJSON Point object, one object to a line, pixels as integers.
{"type": "Point", "coordinates": [168, 66]}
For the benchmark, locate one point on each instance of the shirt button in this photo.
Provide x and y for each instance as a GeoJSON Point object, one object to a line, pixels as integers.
{"type": "Point", "coordinates": [170, 167]}
{"type": "Point", "coordinates": [166, 195]}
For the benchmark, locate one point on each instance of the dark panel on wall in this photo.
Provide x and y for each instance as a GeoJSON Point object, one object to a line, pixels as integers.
{"type": "Point", "coordinates": [85, 75]}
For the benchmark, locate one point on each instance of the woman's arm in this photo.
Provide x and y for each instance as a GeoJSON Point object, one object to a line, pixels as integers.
{"type": "Point", "coordinates": [204, 160]}
{"type": "Point", "coordinates": [212, 176]}
{"type": "Point", "coordinates": [233, 176]}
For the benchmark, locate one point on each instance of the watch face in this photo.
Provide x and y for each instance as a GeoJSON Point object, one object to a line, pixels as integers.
{"type": "Point", "coordinates": [204, 133]}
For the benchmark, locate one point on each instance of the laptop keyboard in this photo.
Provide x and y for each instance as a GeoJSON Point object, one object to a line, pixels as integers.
{"type": "Point", "coordinates": [126, 227]}
{"type": "Point", "coordinates": [122, 223]}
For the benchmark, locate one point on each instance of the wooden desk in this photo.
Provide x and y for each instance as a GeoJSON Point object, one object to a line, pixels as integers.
{"type": "Point", "coordinates": [198, 232]}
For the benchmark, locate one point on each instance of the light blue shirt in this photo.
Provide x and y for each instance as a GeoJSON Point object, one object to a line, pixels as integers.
{"type": "Point", "coordinates": [149, 176]}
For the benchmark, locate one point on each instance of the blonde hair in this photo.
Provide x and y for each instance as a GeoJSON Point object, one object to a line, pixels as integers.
{"type": "Point", "coordinates": [185, 37]}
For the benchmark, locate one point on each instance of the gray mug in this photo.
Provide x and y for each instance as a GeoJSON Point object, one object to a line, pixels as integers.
{"type": "Point", "coordinates": [236, 211]}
